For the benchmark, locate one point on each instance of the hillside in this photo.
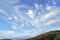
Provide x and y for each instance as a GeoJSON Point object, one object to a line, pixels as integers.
{"type": "Point", "coordinates": [52, 35]}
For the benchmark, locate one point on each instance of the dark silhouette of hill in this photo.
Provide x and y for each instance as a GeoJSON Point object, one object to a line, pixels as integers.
{"type": "Point", "coordinates": [52, 35]}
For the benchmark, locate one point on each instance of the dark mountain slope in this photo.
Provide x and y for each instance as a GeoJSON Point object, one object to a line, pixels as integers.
{"type": "Point", "coordinates": [52, 35]}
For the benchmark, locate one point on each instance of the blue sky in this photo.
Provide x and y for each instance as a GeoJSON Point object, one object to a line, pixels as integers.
{"type": "Point", "coordinates": [22, 18]}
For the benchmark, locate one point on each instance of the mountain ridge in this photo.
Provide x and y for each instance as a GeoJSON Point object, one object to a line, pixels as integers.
{"type": "Point", "coordinates": [52, 35]}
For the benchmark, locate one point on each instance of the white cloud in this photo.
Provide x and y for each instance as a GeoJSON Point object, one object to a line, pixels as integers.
{"type": "Point", "coordinates": [36, 23]}
{"type": "Point", "coordinates": [9, 2]}
{"type": "Point", "coordinates": [7, 34]}
{"type": "Point", "coordinates": [51, 22]}
{"type": "Point", "coordinates": [12, 34]}
{"type": "Point", "coordinates": [49, 7]}
{"type": "Point", "coordinates": [21, 26]}
{"type": "Point", "coordinates": [13, 1]}
{"type": "Point", "coordinates": [14, 26]}
{"type": "Point", "coordinates": [51, 14]}
{"type": "Point", "coordinates": [9, 18]}
{"type": "Point", "coordinates": [42, 20]}
{"type": "Point", "coordinates": [31, 14]}
{"type": "Point", "coordinates": [54, 2]}
{"type": "Point", "coordinates": [56, 28]}
{"type": "Point", "coordinates": [17, 11]}
{"type": "Point", "coordinates": [15, 17]}
{"type": "Point", "coordinates": [36, 5]}
{"type": "Point", "coordinates": [31, 33]}
{"type": "Point", "coordinates": [3, 12]}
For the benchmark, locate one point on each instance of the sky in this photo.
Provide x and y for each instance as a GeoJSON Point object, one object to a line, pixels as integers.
{"type": "Point", "coordinates": [28, 18]}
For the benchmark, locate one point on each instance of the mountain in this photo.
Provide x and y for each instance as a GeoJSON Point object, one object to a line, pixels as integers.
{"type": "Point", "coordinates": [52, 35]}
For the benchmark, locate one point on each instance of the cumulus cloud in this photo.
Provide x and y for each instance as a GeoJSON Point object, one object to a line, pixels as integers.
{"type": "Point", "coordinates": [49, 7]}
{"type": "Point", "coordinates": [31, 14]}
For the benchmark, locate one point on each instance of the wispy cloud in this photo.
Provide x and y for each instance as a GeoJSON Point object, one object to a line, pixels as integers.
{"type": "Point", "coordinates": [6, 34]}
{"type": "Point", "coordinates": [8, 2]}
{"type": "Point", "coordinates": [51, 22]}
{"type": "Point", "coordinates": [13, 1]}
{"type": "Point", "coordinates": [3, 12]}
{"type": "Point", "coordinates": [13, 34]}
{"type": "Point", "coordinates": [50, 14]}
{"type": "Point", "coordinates": [36, 6]}
{"type": "Point", "coordinates": [55, 28]}
{"type": "Point", "coordinates": [42, 19]}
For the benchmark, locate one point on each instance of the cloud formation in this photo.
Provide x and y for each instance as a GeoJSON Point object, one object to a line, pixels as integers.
{"type": "Point", "coordinates": [36, 22]}
{"type": "Point", "coordinates": [3, 12]}
{"type": "Point", "coordinates": [28, 20]}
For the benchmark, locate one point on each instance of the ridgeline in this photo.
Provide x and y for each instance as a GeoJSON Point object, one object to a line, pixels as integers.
{"type": "Point", "coordinates": [52, 35]}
